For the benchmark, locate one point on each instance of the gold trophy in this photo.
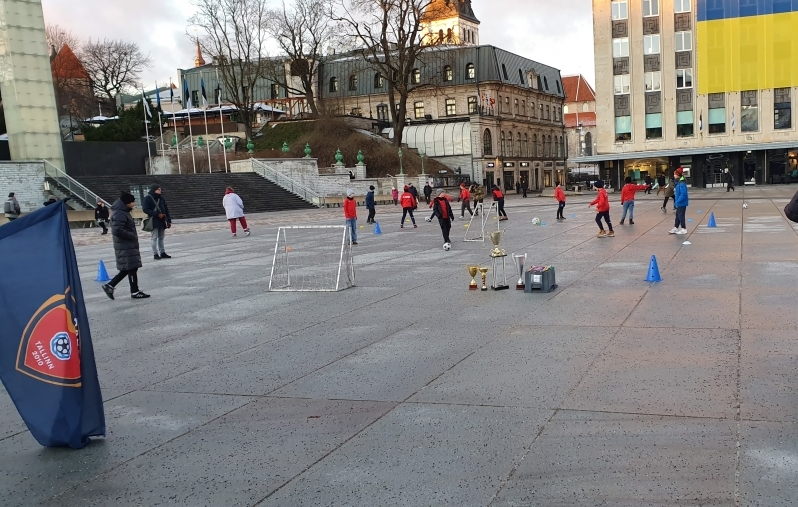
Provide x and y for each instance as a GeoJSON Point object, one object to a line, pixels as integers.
{"type": "Point", "coordinates": [472, 270]}
{"type": "Point", "coordinates": [495, 238]}
{"type": "Point", "coordinates": [484, 272]}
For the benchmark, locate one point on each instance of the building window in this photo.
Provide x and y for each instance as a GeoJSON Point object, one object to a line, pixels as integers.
{"type": "Point", "coordinates": [681, 5]}
{"type": "Point", "coordinates": [532, 109]}
{"type": "Point", "coordinates": [451, 107]}
{"type": "Point", "coordinates": [620, 47]}
{"type": "Point", "coordinates": [447, 73]}
{"type": "Point", "coordinates": [548, 113]}
{"type": "Point", "coordinates": [275, 91]}
{"type": "Point", "coordinates": [683, 41]}
{"type": "Point", "coordinates": [471, 72]}
{"type": "Point", "coordinates": [717, 116]}
{"type": "Point", "coordinates": [502, 142]}
{"type": "Point", "coordinates": [523, 107]}
{"type": "Point", "coordinates": [565, 109]}
{"type": "Point", "coordinates": [487, 143]}
{"type": "Point", "coordinates": [548, 141]}
{"type": "Point", "coordinates": [621, 84]}
{"type": "Point", "coordinates": [685, 122]}
{"type": "Point", "coordinates": [352, 83]}
{"type": "Point", "coordinates": [684, 78]}
{"type": "Point", "coordinates": [782, 109]}
{"type": "Point", "coordinates": [653, 81]}
{"type": "Point", "coordinates": [472, 105]}
{"type": "Point", "coordinates": [545, 83]}
{"type": "Point", "coordinates": [654, 126]}
{"type": "Point", "coordinates": [588, 144]}
{"type": "Point", "coordinates": [623, 128]}
{"type": "Point", "coordinates": [515, 105]}
{"type": "Point", "coordinates": [541, 112]}
{"type": "Point", "coordinates": [749, 111]}
{"type": "Point", "coordinates": [418, 109]}
{"type": "Point", "coordinates": [379, 81]}
{"type": "Point", "coordinates": [449, 37]}
{"type": "Point", "coordinates": [556, 147]}
{"type": "Point", "coordinates": [415, 77]}
{"type": "Point", "coordinates": [510, 144]}
{"type": "Point", "coordinates": [518, 144]}
{"type": "Point", "coordinates": [585, 107]}
{"type": "Point", "coordinates": [195, 98]}
{"type": "Point", "coordinates": [382, 112]}
{"type": "Point", "coordinates": [650, 8]}
{"type": "Point", "coordinates": [534, 145]}
{"type": "Point", "coordinates": [504, 71]}
{"type": "Point", "coordinates": [507, 105]}
{"type": "Point", "coordinates": [525, 152]}
{"type": "Point", "coordinates": [651, 44]}
{"type": "Point", "coordinates": [619, 10]}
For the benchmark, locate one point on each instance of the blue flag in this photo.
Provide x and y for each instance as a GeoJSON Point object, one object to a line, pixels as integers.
{"type": "Point", "coordinates": [46, 355]}
{"type": "Point", "coordinates": [186, 95]}
{"type": "Point", "coordinates": [204, 97]}
{"type": "Point", "coordinates": [157, 97]}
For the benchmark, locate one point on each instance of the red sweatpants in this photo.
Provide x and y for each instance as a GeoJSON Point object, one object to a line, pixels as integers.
{"type": "Point", "coordinates": [233, 224]}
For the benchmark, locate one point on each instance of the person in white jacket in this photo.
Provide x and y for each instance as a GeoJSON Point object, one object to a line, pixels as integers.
{"type": "Point", "coordinates": [234, 208]}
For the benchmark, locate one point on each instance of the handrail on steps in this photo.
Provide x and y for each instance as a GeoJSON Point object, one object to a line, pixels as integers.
{"type": "Point", "coordinates": [89, 197]}
{"type": "Point", "coordinates": [287, 183]}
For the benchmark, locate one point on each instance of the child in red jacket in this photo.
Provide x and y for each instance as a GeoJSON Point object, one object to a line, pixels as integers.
{"type": "Point", "coordinates": [465, 198]}
{"type": "Point", "coordinates": [602, 204]}
{"type": "Point", "coordinates": [560, 196]}
{"type": "Point", "coordinates": [628, 199]}
{"type": "Point", "coordinates": [409, 203]}
{"type": "Point", "coordinates": [350, 213]}
{"type": "Point", "coordinates": [443, 210]}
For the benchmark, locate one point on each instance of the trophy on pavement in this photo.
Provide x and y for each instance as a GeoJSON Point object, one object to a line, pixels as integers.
{"type": "Point", "coordinates": [519, 262]}
{"type": "Point", "coordinates": [472, 270]}
{"type": "Point", "coordinates": [484, 272]}
{"type": "Point", "coordinates": [495, 238]}
{"type": "Point", "coordinates": [496, 254]}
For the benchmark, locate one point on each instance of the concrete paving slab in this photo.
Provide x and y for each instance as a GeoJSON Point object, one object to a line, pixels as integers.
{"type": "Point", "coordinates": [599, 307]}
{"type": "Point", "coordinates": [768, 308]}
{"type": "Point", "coordinates": [768, 464]}
{"type": "Point", "coordinates": [671, 303]}
{"type": "Point", "coordinates": [768, 380]}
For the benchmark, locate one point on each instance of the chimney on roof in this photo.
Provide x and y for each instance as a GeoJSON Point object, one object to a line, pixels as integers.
{"type": "Point", "coordinates": [199, 61]}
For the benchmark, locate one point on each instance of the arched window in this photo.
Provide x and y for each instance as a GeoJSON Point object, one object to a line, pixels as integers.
{"type": "Point", "coordinates": [502, 147]}
{"type": "Point", "coordinates": [487, 143]}
{"type": "Point", "coordinates": [588, 144]}
{"type": "Point", "coordinates": [532, 109]}
{"type": "Point", "coordinates": [379, 81]}
{"type": "Point", "coordinates": [510, 144]}
{"type": "Point", "coordinates": [534, 145]}
{"type": "Point", "coordinates": [416, 76]}
{"type": "Point", "coordinates": [526, 145]}
{"type": "Point", "coordinates": [353, 83]}
{"type": "Point", "coordinates": [518, 144]}
{"type": "Point", "coordinates": [565, 109]}
{"type": "Point", "coordinates": [549, 140]}
{"type": "Point", "coordinates": [499, 105]}
{"type": "Point", "coordinates": [440, 36]}
{"type": "Point", "coordinates": [556, 146]}
{"type": "Point", "coordinates": [541, 113]}
{"type": "Point", "coordinates": [449, 37]}
{"type": "Point", "coordinates": [585, 107]}
{"type": "Point", "coordinates": [470, 71]}
{"type": "Point", "coordinates": [333, 84]}
{"type": "Point", "coordinates": [523, 107]}
{"type": "Point", "coordinates": [447, 73]}
{"type": "Point", "coordinates": [548, 113]}
{"type": "Point", "coordinates": [515, 105]}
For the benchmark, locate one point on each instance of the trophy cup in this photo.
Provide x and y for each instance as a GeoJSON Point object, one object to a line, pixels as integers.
{"type": "Point", "coordinates": [472, 270]}
{"type": "Point", "coordinates": [495, 238]}
{"type": "Point", "coordinates": [519, 262]}
{"type": "Point", "coordinates": [484, 272]}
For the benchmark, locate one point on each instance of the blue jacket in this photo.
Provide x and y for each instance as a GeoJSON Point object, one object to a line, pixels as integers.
{"type": "Point", "coordinates": [680, 194]}
{"type": "Point", "coordinates": [370, 199]}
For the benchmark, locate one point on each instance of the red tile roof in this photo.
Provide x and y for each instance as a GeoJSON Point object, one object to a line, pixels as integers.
{"type": "Point", "coordinates": [573, 120]}
{"type": "Point", "coordinates": [66, 65]}
{"type": "Point", "coordinates": [577, 89]}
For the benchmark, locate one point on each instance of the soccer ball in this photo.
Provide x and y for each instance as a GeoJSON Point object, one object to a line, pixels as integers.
{"type": "Point", "coordinates": [428, 219]}
{"type": "Point", "coordinates": [536, 221]}
{"type": "Point", "coordinates": [61, 346]}
{"type": "Point", "coordinates": [447, 246]}
{"type": "Point", "coordinates": [745, 206]}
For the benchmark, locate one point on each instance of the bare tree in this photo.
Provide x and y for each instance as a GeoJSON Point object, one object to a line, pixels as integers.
{"type": "Point", "coordinates": [234, 34]}
{"type": "Point", "coordinates": [56, 36]}
{"type": "Point", "coordinates": [391, 36]}
{"type": "Point", "coordinates": [114, 66]}
{"type": "Point", "coordinates": [301, 30]}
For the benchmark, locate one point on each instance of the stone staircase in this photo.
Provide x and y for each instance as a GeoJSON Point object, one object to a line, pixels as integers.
{"type": "Point", "coordinates": [199, 195]}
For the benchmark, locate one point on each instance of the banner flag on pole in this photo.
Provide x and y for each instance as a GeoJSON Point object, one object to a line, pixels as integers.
{"type": "Point", "coordinates": [204, 98]}
{"type": "Point", "coordinates": [146, 105]}
{"type": "Point", "coordinates": [157, 97]}
{"type": "Point", "coordinates": [46, 354]}
{"type": "Point", "coordinates": [187, 94]}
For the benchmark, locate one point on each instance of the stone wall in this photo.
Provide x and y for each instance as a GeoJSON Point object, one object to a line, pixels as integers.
{"type": "Point", "coordinates": [26, 180]}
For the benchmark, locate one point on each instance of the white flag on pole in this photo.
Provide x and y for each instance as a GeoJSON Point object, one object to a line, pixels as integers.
{"type": "Point", "coordinates": [146, 105]}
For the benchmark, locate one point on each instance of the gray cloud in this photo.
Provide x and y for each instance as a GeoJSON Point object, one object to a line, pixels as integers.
{"type": "Point", "coordinates": [558, 33]}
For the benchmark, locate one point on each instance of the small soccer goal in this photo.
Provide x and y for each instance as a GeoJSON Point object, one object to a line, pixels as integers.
{"type": "Point", "coordinates": [312, 259]}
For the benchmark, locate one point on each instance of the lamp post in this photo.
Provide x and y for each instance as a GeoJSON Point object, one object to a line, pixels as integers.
{"type": "Point", "coordinates": [401, 171]}
{"type": "Point", "coordinates": [423, 156]}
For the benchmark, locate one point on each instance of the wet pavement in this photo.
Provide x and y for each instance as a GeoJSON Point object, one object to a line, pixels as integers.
{"type": "Point", "coordinates": [409, 389]}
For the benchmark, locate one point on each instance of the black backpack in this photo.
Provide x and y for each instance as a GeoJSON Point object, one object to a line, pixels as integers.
{"type": "Point", "coordinates": [791, 210]}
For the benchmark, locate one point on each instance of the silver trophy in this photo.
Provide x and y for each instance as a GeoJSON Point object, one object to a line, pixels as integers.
{"type": "Point", "coordinates": [520, 259]}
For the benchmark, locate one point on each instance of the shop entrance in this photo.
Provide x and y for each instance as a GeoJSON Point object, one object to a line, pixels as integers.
{"type": "Point", "coordinates": [509, 180]}
{"type": "Point", "coordinates": [547, 178]}
{"type": "Point", "coordinates": [488, 180]}
{"type": "Point", "coordinates": [525, 178]}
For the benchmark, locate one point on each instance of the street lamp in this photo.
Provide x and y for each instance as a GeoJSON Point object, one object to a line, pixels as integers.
{"type": "Point", "coordinates": [401, 171]}
{"type": "Point", "coordinates": [423, 156]}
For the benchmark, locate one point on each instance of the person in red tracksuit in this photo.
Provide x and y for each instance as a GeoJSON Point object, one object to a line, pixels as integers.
{"type": "Point", "coordinates": [628, 199]}
{"type": "Point", "coordinates": [350, 213]}
{"type": "Point", "coordinates": [443, 210]}
{"type": "Point", "coordinates": [408, 202]}
{"type": "Point", "coordinates": [602, 204]}
{"type": "Point", "coordinates": [560, 196]}
{"type": "Point", "coordinates": [465, 197]}
{"type": "Point", "coordinates": [498, 196]}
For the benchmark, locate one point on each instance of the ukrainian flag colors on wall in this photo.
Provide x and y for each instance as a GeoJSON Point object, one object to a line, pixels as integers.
{"type": "Point", "coordinates": [746, 45]}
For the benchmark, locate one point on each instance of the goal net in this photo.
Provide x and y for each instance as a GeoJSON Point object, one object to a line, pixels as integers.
{"type": "Point", "coordinates": [481, 221]}
{"type": "Point", "coordinates": [312, 258]}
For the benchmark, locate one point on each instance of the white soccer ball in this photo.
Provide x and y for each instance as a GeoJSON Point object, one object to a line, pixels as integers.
{"type": "Point", "coordinates": [536, 221]}
{"type": "Point", "coordinates": [447, 246]}
{"type": "Point", "coordinates": [745, 206]}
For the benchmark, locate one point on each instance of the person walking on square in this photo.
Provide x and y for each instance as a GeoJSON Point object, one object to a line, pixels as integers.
{"type": "Point", "coordinates": [668, 195]}
{"type": "Point", "coordinates": [11, 207]}
{"type": "Point", "coordinates": [427, 192]}
{"type": "Point", "coordinates": [443, 210]}
{"type": "Point", "coordinates": [413, 190]}
{"type": "Point", "coordinates": [395, 196]}
{"type": "Point", "coordinates": [370, 205]}
{"type": "Point", "coordinates": [681, 201]}
{"type": "Point", "coordinates": [524, 188]}
{"type": "Point", "coordinates": [602, 204]}
{"type": "Point", "coordinates": [101, 214]}
{"type": "Point", "coordinates": [661, 183]}
{"type": "Point", "coordinates": [517, 187]}
{"type": "Point", "coordinates": [648, 184]}
{"type": "Point", "coordinates": [155, 207]}
{"type": "Point", "coordinates": [465, 198]}
{"type": "Point", "coordinates": [628, 199]}
{"type": "Point", "coordinates": [478, 194]}
{"type": "Point", "coordinates": [408, 204]}
{"type": "Point", "coordinates": [498, 196]}
{"type": "Point", "coordinates": [729, 180]}
{"type": "Point", "coordinates": [350, 213]}
{"type": "Point", "coordinates": [559, 194]}
{"type": "Point", "coordinates": [126, 247]}
{"type": "Point", "coordinates": [234, 209]}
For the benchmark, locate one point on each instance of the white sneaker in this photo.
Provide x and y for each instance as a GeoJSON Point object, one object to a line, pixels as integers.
{"type": "Point", "coordinates": [247, 232]}
{"type": "Point", "coordinates": [682, 231]}
{"type": "Point", "coordinates": [673, 231]}
{"type": "Point", "coordinates": [234, 235]}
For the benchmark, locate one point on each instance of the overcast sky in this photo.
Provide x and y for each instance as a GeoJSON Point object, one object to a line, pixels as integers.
{"type": "Point", "coordinates": [558, 33]}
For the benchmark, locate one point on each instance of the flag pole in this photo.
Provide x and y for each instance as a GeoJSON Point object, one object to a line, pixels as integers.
{"type": "Point", "coordinates": [160, 119]}
{"type": "Point", "coordinates": [190, 130]}
{"type": "Point", "coordinates": [205, 114]}
{"type": "Point", "coordinates": [174, 118]}
{"type": "Point", "coordinates": [145, 107]}
{"type": "Point", "coordinates": [221, 118]}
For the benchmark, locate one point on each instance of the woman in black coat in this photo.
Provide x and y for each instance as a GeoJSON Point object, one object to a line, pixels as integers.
{"type": "Point", "coordinates": [101, 215]}
{"type": "Point", "coordinates": [126, 247]}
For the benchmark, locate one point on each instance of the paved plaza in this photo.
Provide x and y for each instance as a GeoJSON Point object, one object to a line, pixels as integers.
{"type": "Point", "coordinates": [411, 390]}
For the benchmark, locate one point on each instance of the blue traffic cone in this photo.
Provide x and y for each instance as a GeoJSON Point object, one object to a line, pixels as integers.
{"type": "Point", "coordinates": [653, 270]}
{"type": "Point", "coordinates": [712, 220]}
{"type": "Point", "coordinates": [377, 229]}
{"type": "Point", "coordinates": [102, 274]}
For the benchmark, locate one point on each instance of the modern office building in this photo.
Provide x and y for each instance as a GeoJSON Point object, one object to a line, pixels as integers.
{"type": "Point", "coordinates": [703, 84]}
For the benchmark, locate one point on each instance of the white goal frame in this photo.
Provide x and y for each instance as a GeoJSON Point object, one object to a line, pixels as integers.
{"type": "Point", "coordinates": [345, 276]}
{"type": "Point", "coordinates": [483, 218]}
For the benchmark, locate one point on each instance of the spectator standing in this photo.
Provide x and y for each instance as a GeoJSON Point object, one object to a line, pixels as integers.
{"type": "Point", "coordinates": [427, 192]}
{"type": "Point", "coordinates": [370, 205]}
{"type": "Point", "coordinates": [101, 215]}
{"type": "Point", "coordinates": [155, 207]}
{"type": "Point", "coordinates": [729, 180]}
{"type": "Point", "coordinates": [11, 207]}
{"type": "Point", "coordinates": [395, 196]}
{"type": "Point", "coordinates": [681, 201]}
{"type": "Point", "coordinates": [414, 191]}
